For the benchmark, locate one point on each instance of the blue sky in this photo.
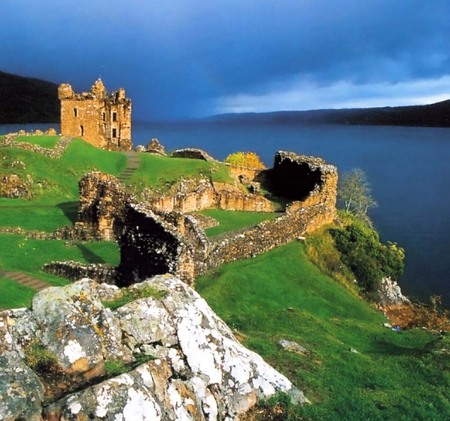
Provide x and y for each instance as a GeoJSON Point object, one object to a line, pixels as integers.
{"type": "Point", "coordinates": [192, 58]}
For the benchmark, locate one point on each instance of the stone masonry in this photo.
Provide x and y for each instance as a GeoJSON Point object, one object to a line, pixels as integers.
{"type": "Point", "coordinates": [101, 119]}
{"type": "Point", "coordinates": [165, 239]}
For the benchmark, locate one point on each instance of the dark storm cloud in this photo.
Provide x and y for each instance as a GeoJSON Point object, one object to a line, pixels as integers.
{"type": "Point", "coordinates": [185, 58]}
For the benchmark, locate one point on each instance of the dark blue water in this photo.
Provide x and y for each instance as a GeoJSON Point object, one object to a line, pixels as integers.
{"type": "Point", "coordinates": [408, 168]}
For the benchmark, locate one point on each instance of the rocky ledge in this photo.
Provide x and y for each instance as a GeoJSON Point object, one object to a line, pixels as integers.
{"type": "Point", "coordinates": [159, 354]}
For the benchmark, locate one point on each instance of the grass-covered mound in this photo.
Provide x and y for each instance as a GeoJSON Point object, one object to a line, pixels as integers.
{"type": "Point", "coordinates": [355, 368]}
{"type": "Point", "coordinates": [161, 172]}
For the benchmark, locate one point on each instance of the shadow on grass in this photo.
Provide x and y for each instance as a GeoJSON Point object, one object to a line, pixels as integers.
{"type": "Point", "coordinates": [389, 348]}
{"type": "Point", "coordinates": [70, 210]}
{"type": "Point", "coordinates": [89, 255]}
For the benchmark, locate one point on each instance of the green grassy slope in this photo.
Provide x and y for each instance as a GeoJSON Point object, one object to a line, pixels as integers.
{"type": "Point", "coordinates": [282, 295]}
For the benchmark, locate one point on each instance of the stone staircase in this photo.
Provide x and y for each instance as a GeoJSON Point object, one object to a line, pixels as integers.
{"type": "Point", "coordinates": [132, 166]}
{"type": "Point", "coordinates": [24, 279]}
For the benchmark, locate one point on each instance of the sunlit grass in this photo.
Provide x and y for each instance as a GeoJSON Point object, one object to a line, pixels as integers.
{"type": "Point", "coordinates": [355, 368]}
{"type": "Point", "coordinates": [234, 220]}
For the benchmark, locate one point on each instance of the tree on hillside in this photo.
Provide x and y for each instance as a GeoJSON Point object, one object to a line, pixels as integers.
{"type": "Point", "coordinates": [245, 159]}
{"type": "Point", "coordinates": [354, 194]}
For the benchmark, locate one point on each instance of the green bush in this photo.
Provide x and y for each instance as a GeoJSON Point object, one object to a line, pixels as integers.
{"type": "Point", "coordinates": [369, 260]}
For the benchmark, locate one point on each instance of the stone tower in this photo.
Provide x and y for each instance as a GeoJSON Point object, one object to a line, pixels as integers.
{"type": "Point", "coordinates": [101, 119]}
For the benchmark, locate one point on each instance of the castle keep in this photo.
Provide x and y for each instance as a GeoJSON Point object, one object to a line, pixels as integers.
{"type": "Point", "coordinates": [101, 119]}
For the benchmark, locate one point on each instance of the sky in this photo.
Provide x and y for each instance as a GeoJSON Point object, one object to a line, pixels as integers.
{"type": "Point", "coordinates": [194, 58]}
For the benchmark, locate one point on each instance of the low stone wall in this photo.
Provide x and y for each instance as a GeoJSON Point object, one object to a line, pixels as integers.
{"type": "Point", "coordinates": [99, 272]}
{"type": "Point", "coordinates": [266, 236]}
{"type": "Point", "coordinates": [8, 141]}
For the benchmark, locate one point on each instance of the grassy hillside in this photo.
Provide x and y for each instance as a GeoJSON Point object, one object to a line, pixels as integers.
{"type": "Point", "coordinates": [53, 182]}
{"type": "Point", "coordinates": [354, 369]}
{"type": "Point", "coordinates": [27, 100]}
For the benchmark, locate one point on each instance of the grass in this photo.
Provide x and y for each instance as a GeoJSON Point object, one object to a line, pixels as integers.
{"type": "Point", "coordinates": [42, 140]}
{"type": "Point", "coordinates": [14, 295]}
{"type": "Point", "coordinates": [26, 255]}
{"type": "Point", "coordinates": [159, 172]}
{"type": "Point", "coordinates": [233, 220]}
{"type": "Point", "coordinates": [54, 183]}
{"type": "Point", "coordinates": [394, 375]}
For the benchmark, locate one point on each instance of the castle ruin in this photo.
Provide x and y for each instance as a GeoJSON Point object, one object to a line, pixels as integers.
{"type": "Point", "coordinates": [102, 119]}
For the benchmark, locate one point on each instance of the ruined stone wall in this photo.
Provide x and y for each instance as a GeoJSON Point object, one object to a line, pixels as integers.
{"type": "Point", "coordinates": [101, 119]}
{"type": "Point", "coordinates": [265, 236]}
{"type": "Point", "coordinates": [238, 171]}
{"type": "Point", "coordinates": [102, 204]}
{"type": "Point", "coordinates": [154, 241]}
{"type": "Point", "coordinates": [196, 195]}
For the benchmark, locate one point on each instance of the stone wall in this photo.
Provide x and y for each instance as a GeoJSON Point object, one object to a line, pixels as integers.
{"type": "Point", "coordinates": [101, 119]}
{"type": "Point", "coordinates": [103, 199]}
{"type": "Point", "coordinates": [99, 272]}
{"type": "Point", "coordinates": [8, 141]}
{"type": "Point", "coordinates": [101, 206]}
{"type": "Point", "coordinates": [157, 236]}
{"type": "Point", "coordinates": [196, 195]}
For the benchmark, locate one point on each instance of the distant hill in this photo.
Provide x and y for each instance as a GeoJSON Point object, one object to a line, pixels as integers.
{"type": "Point", "coordinates": [27, 100]}
{"type": "Point", "coordinates": [433, 115]}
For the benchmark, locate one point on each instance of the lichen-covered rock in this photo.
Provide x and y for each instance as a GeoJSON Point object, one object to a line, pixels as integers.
{"type": "Point", "coordinates": [75, 326]}
{"type": "Point", "coordinates": [21, 392]}
{"type": "Point", "coordinates": [176, 358]}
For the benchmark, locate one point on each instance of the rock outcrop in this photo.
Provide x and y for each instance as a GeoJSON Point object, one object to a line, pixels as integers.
{"type": "Point", "coordinates": [172, 357]}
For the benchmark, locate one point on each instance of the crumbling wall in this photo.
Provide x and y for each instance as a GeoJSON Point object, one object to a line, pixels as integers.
{"type": "Point", "coordinates": [154, 239]}
{"type": "Point", "coordinates": [152, 244]}
{"type": "Point", "coordinates": [102, 204]}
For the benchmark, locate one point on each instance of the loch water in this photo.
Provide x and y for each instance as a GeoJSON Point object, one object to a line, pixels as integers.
{"type": "Point", "coordinates": [408, 169]}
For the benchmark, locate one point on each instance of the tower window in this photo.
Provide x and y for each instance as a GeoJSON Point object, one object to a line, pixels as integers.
{"type": "Point", "coordinates": [114, 133]}
{"type": "Point", "coordinates": [81, 130]}
{"type": "Point", "coordinates": [75, 112]}
{"type": "Point", "coordinates": [114, 116]}
{"type": "Point", "coordinates": [103, 116]}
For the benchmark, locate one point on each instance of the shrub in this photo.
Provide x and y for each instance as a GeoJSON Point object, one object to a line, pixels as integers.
{"type": "Point", "coordinates": [245, 159]}
{"type": "Point", "coordinates": [368, 259]}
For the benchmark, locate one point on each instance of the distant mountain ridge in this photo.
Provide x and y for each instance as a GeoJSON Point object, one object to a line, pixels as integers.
{"type": "Point", "coordinates": [433, 115]}
{"type": "Point", "coordinates": [27, 100]}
